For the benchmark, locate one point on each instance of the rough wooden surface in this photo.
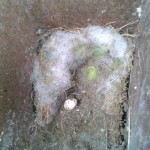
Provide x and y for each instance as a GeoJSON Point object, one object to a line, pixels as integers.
{"type": "Point", "coordinates": [139, 93]}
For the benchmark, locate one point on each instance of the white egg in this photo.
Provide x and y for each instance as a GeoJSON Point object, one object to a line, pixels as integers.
{"type": "Point", "coordinates": [70, 104]}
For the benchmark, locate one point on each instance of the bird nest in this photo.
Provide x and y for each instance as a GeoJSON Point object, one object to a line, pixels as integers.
{"type": "Point", "coordinates": [90, 65]}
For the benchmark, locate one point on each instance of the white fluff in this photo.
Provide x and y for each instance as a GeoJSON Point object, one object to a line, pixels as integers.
{"type": "Point", "coordinates": [115, 43]}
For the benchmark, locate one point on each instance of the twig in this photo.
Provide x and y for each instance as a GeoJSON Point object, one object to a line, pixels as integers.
{"type": "Point", "coordinates": [99, 89]}
{"type": "Point", "coordinates": [130, 23]}
{"type": "Point", "coordinates": [109, 23]}
{"type": "Point", "coordinates": [62, 128]}
{"type": "Point", "coordinates": [130, 35]}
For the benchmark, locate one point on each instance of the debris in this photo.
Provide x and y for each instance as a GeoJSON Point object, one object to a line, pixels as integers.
{"type": "Point", "coordinates": [139, 11]}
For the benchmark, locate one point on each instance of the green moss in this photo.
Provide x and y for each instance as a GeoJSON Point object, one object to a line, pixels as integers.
{"type": "Point", "coordinates": [92, 73]}
{"type": "Point", "coordinates": [79, 49]}
{"type": "Point", "coordinates": [26, 145]}
{"type": "Point", "coordinates": [99, 50]}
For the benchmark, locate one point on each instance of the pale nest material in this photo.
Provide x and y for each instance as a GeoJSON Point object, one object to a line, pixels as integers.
{"type": "Point", "coordinates": [102, 52]}
{"type": "Point", "coordinates": [70, 104]}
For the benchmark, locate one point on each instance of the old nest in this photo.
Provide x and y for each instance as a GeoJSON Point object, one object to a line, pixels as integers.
{"type": "Point", "coordinates": [90, 65]}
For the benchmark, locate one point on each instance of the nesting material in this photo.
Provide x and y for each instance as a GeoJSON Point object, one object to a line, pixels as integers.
{"type": "Point", "coordinates": [100, 57]}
